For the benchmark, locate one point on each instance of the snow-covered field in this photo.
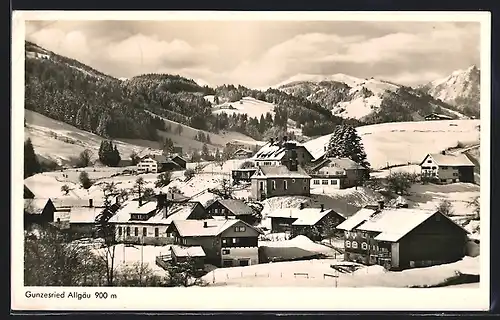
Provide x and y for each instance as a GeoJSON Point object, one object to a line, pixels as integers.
{"type": "Point", "coordinates": [407, 142]}
{"type": "Point", "coordinates": [247, 105]}
{"type": "Point", "coordinates": [359, 197]}
{"type": "Point", "coordinates": [314, 273]}
{"type": "Point", "coordinates": [59, 141]}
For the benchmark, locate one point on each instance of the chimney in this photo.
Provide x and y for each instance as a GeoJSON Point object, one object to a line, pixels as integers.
{"type": "Point", "coordinates": [205, 224]}
{"type": "Point", "coordinates": [91, 203]}
{"type": "Point", "coordinates": [381, 205]}
{"type": "Point", "coordinates": [322, 207]}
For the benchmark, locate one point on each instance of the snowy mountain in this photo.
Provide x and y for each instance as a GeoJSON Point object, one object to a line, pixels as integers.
{"type": "Point", "coordinates": [461, 89]}
{"type": "Point", "coordinates": [351, 97]}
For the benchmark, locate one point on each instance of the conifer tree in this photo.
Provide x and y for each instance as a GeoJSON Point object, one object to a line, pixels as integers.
{"type": "Point", "coordinates": [31, 164]}
{"type": "Point", "coordinates": [346, 143]}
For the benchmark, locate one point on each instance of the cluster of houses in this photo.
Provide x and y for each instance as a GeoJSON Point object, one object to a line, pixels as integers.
{"type": "Point", "coordinates": [225, 232]}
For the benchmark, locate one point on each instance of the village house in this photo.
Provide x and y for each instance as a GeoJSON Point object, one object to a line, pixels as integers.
{"type": "Point", "coordinates": [181, 254]}
{"type": "Point", "coordinates": [279, 180]}
{"type": "Point", "coordinates": [232, 208]}
{"type": "Point", "coordinates": [147, 165]}
{"type": "Point", "coordinates": [437, 116]}
{"type": "Point", "coordinates": [146, 222]}
{"type": "Point", "coordinates": [225, 242]}
{"type": "Point", "coordinates": [338, 173]}
{"type": "Point", "coordinates": [314, 223]}
{"type": "Point", "coordinates": [448, 168]}
{"type": "Point", "coordinates": [242, 154]}
{"type": "Point", "coordinates": [278, 152]}
{"type": "Point", "coordinates": [399, 239]}
{"type": "Point", "coordinates": [160, 163]}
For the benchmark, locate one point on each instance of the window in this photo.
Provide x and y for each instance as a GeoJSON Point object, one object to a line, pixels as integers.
{"type": "Point", "coordinates": [434, 167]}
{"type": "Point", "coordinates": [157, 232]}
{"type": "Point", "coordinates": [364, 246]}
{"type": "Point", "coordinates": [429, 161]}
{"type": "Point", "coordinates": [240, 229]}
{"type": "Point", "coordinates": [333, 181]}
{"type": "Point", "coordinates": [443, 180]}
{"type": "Point", "coordinates": [354, 245]}
{"type": "Point", "coordinates": [226, 251]}
{"type": "Point", "coordinates": [261, 186]}
{"type": "Point", "coordinates": [285, 184]}
{"type": "Point", "coordinates": [224, 241]}
{"type": "Point", "coordinates": [348, 244]}
{"type": "Point", "coordinates": [128, 231]}
{"type": "Point", "coordinates": [144, 232]}
{"type": "Point", "coordinates": [324, 181]}
{"type": "Point", "coordinates": [274, 184]}
{"type": "Point", "coordinates": [455, 174]}
{"type": "Point", "coordinates": [235, 240]}
{"type": "Point", "coordinates": [293, 180]}
{"type": "Point", "coordinates": [346, 233]}
{"type": "Point", "coordinates": [136, 231]}
{"type": "Point", "coordinates": [316, 182]}
{"type": "Point", "coordinates": [244, 263]}
{"type": "Point", "coordinates": [119, 231]}
{"type": "Point", "coordinates": [184, 241]}
{"type": "Point", "coordinates": [363, 235]}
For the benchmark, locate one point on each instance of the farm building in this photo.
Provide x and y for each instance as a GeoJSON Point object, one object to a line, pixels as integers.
{"type": "Point", "coordinates": [436, 116]}
{"type": "Point", "coordinates": [232, 208]}
{"type": "Point", "coordinates": [314, 223]}
{"type": "Point", "coordinates": [182, 254]}
{"type": "Point", "coordinates": [38, 211]}
{"type": "Point", "coordinates": [242, 175]}
{"type": "Point", "coordinates": [141, 222]}
{"type": "Point", "coordinates": [339, 173]}
{"type": "Point", "coordinates": [160, 163]}
{"type": "Point", "coordinates": [402, 238]}
{"type": "Point", "coordinates": [448, 168]}
{"type": "Point", "coordinates": [279, 180]}
{"type": "Point", "coordinates": [226, 242]}
{"type": "Point", "coordinates": [279, 152]}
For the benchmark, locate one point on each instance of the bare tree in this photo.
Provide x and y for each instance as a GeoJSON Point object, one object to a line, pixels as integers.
{"type": "Point", "coordinates": [85, 157]}
{"type": "Point", "coordinates": [445, 207]}
{"type": "Point", "coordinates": [139, 186]}
{"type": "Point", "coordinates": [475, 204]}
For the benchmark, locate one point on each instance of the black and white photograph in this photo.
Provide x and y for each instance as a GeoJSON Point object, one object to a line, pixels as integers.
{"type": "Point", "coordinates": [223, 154]}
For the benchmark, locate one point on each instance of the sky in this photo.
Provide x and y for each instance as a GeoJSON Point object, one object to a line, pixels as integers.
{"type": "Point", "coordinates": [259, 54]}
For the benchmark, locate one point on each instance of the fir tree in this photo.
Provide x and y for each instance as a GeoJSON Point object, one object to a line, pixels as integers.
{"type": "Point", "coordinates": [346, 143]}
{"type": "Point", "coordinates": [31, 164]}
{"type": "Point", "coordinates": [205, 153]}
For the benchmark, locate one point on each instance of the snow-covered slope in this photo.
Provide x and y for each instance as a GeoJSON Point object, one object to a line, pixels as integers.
{"type": "Point", "coordinates": [247, 105]}
{"type": "Point", "coordinates": [351, 97]}
{"type": "Point", "coordinates": [461, 88]}
{"type": "Point", "coordinates": [402, 142]}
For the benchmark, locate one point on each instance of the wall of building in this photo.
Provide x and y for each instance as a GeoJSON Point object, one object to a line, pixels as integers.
{"type": "Point", "coordinates": [149, 239]}
{"type": "Point", "coordinates": [281, 224]}
{"type": "Point", "coordinates": [237, 254]}
{"type": "Point", "coordinates": [299, 187]}
{"type": "Point", "coordinates": [325, 183]}
{"type": "Point", "coordinates": [437, 240]}
{"type": "Point", "coordinates": [365, 248]}
{"type": "Point", "coordinates": [147, 165]}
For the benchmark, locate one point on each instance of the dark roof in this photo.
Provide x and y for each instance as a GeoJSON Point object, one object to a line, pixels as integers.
{"type": "Point", "coordinates": [237, 207]}
{"type": "Point", "coordinates": [438, 115]}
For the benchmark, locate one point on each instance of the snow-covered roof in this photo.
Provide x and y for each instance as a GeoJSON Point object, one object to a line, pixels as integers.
{"type": "Point", "coordinates": [280, 172]}
{"type": "Point", "coordinates": [450, 159]}
{"type": "Point", "coordinates": [305, 217]}
{"type": "Point", "coordinates": [196, 228]}
{"type": "Point", "coordinates": [393, 224]}
{"type": "Point", "coordinates": [274, 151]}
{"type": "Point", "coordinates": [34, 206]}
{"type": "Point", "coordinates": [237, 207]}
{"type": "Point", "coordinates": [181, 251]}
{"type": "Point", "coordinates": [71, 202]}
{"type": "Point", "coordinates": [341, 163]}
{"type": "Point", "coordinates": [356, 219]}
{"type": "Point", "coordinates": [84, 214]}
{"type": "Point", "coordinates": [164, 216]}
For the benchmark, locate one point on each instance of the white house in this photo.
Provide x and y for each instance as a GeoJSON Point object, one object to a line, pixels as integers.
{"type": "Point", "coordinates": [147, 165]}
{"type": "Point", "coordinates": [448, 168]}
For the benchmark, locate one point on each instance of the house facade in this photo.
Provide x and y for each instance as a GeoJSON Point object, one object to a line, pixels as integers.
{"type": "Point", "coordinates": [232, 208]}
{"type": "Point", "coordinates": [399, 239]}
{"type": "Point", "coordinates": [38, 211]}
{"type": "Point", "coordinates": [338, 173]}
{"type": "Point", "coordinates": [147, 223]}
{"type": "Point", "coordinates": [279, 180]}
{"type": "Point", "coordinates": [226, 243]}
{"type": "Point", "coordinates": [242, 175]}
{"type": "Point", "coordinates": [147, 165]}
{"type": "Point", "coordinates": [448, 168]}
{"type": "Point", "coordinates": [242, 154]}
